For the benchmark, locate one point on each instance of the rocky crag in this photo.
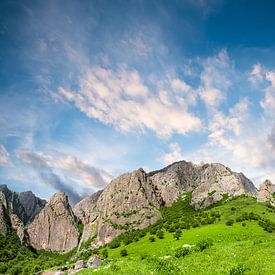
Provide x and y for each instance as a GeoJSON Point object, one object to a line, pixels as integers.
{"type": "Point", "coordinates": [130, 201]}
{"type": "Point", "coordinates": [266, 192]}
{"type": "Point", "coordinates": [55, 227]}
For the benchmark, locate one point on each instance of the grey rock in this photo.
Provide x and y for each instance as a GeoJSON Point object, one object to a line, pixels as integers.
{"type": "Point", "coordinates": [94, 261]}
{"type": "Point", "coordinates": [87, 213]}
{"type": "Point", "coordinates": [55, 227]}
{"type": "Point", "coordinates": [32, 204]}
{"type": "Point", "coordinates": [19, 227]}
{"type": "Point", "coordinates": [4, 217]}
{"type": "Point", "coordinates": [25, 205]}
{"type": "Point", "coordinates": [266, 192]}
{"type": "Point", "coordinates": [217, 180]}
{"type": "Point", "coordinates": [80, 264]}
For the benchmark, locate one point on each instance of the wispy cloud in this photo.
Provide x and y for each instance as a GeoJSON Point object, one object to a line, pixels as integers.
{"type": "Point", "coordinates": [174, 155]}
{"type": "Point", "coordinates": [65, 172]}
{"type": "Point", "coordinates": [4, 157]}
{"type": "Point", "coordinates": [122, 99]}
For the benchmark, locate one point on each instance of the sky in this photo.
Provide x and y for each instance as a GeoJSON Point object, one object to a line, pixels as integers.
{"type": "Point", "coordinates": [93, 89]}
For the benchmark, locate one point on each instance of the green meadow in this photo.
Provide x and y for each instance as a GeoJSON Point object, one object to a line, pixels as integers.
{"type": "Point", "coordinates": [242, 247]}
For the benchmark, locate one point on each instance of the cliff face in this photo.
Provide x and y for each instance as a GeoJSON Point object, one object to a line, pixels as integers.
{"type": "Point", "coordinates": [87, 213]}
{"type": "Point", "coordinates": [208, 182]}
{"type": "Point", "coordinates": [266, 192]}
{"type": "Point", "coordinates": [55, 227]}
{"type": "Point", "coordinates": [131, 201]}
{"type": "Point", "coordinates": [24, 205]}
{"type": "Point", "coordinates": [217, 180]}
{"type": "Point", "coordinates": [4, 217]}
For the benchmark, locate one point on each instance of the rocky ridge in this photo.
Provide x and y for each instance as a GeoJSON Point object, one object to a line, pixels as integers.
{"type": "Point", "coordinates": [266, 192]}
{"type": "Point", "coordinates": [55, 227]}
{"type": "Point", "coordinates": [130, 201]}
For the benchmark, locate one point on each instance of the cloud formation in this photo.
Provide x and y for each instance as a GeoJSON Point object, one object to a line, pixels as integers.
{"type": "Point", "coordinates": [65, 173]}
{"type": "Point", "coordinates": [174, 155]}
{"type": "Point", "coordinates": [122, 99]}
{"type": "Point", "coordinates": [4, 157]}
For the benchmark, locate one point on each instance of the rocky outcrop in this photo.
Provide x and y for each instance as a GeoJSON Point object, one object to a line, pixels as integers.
{"type": "Point", "coordinates": [25, 205]}
{"type": "Point", "coordinates": [20, 229]}
{"type": "Point", "coordinates": [217, 180]}
{"type": "Point", "coordinates": [128, 202]}
{"type": "Point", "coordinates": [266, 192]}
{"type": "Point", "coordinates": [55, 227]}
{"type": "Point", "coordinates": [32, 205]}
{"type": "Point", "coordinates": [4, 217]}
{"type": "Point", "coordinates": [208, 182]}
{"type": "Point", "coordinates": [87, 213]}
{"type": "Point", "coordinates": [176, 179]}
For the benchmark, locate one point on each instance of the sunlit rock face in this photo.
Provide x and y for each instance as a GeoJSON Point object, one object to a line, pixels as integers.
{"type": "Point", "coordinates": [55, 227]}
{"type": "Point", "coordinates": [266, 192]}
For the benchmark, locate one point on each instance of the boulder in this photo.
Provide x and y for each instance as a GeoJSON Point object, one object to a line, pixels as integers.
{"type": "Point", "coordinates": [94, 261]}
{"type": "Point", "coordinates": [80, 264]}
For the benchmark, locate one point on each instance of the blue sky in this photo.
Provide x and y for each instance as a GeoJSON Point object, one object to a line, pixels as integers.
{"type": "Point", "coordinates": [92, 89]}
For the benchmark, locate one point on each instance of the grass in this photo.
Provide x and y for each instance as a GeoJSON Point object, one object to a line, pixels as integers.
{"type": "Point", "coordinates": [236, 249]}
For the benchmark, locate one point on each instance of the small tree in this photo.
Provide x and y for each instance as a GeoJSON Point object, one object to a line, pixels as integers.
{"type": "Point", "coordinates": [152, 239]}
{"type": "Point", "coordinates": [229, 222]}
{"type": "Point", "coordinates": [123, 252]}
{"type": "Point", "coordinates": [177, 234]}
{"type": "Point", "coordinates": [105, 253]}
{"type": "Point", "coordinates": [160, 234]}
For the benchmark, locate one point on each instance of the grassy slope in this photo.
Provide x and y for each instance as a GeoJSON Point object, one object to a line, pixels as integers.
{"type": "Point", "coordinates": [234, 246]}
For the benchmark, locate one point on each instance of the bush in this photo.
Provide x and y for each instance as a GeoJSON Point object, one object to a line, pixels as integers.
{"type": "Point", "coordinates": [177, 235]}
{"type": "Point", "coordinates": [229, 222]}
{"type": "Point", "coordinates": [182, 252]}
{"type": "Point", "coordinates": [160, 234]}
{"type": "Point", "coordinates": [238, 270]}
{"type": "Point", "coordinates": [104, 253]}
{"type": "Point", "coordinates": [143, 256]}
{"type": "Point", "coordinates": [203, 244]}
{"type": "Point", "coordinates": [123, 252]}
{"type": "Point", "coordinates": [114, 244]}
{"type": "Point", "coordinates": [243, 224]}
{"type": "Point", "coordinates": [152, 239]}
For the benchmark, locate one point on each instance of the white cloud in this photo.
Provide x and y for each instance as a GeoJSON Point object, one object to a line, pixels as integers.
{"type": "Point", "coordinates": [121, 99]}
{"type": "Point", "coordinates": [268, 103]}
{"type": "Point", "coordinates": [67, 165]}
{"type": "Point", "coordinates": [4, 157]}
{"type": "Point", "coordinates": [174, 155]}
{"type": "Point", "coordinates": [257, 74]}
{"type": "Point", "coordinates": [215, 79]}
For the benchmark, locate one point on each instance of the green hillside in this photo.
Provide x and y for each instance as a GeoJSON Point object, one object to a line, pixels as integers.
{"type": "Point", "coordinates": [237, 236]}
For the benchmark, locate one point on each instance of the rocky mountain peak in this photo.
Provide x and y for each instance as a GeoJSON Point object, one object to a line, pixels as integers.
{"type": "Point", "coordinates": [266, 192]}
{"type": "Point", "coordinates": [55, 227]}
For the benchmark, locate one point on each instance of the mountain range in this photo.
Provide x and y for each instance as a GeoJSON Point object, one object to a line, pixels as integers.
{"type": "Point", "coordinates": [130, 201]}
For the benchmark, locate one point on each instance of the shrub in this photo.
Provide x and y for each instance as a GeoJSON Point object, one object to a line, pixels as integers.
{"type": "Point", "coordinates": [182, 252]}
{"type": "Point", "coordinates": [233, 208]}
{"type": "Point", "coordinates": [104, 253]}
{"type": "Point", "coordinates": [203, 244]}
{"type": "Point", "coordinates": [229, 222]}
{"type": "Point", "coordinates": [114, 244]}
{"type": "Point", "coordinates": [177, 234]}
{"type": "Point", "coordinates": [160, 234]}
{"type": "Point", "coordinates": [152, 239]}
{"type": "Point", "coordinates": [238, 270]}
{"type": "Point", "coordinates": [243, 224]}
{"type": "Point", "coordinates": [143, 256]}
{"type": "Point", "coordinates": [123, 252]}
